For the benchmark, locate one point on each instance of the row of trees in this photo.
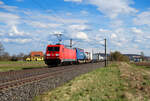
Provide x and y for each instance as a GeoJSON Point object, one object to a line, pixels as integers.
{"type": "Point", "coordinates": [117, 56]}
{"type": "Point", "coordinates": [4, 56]}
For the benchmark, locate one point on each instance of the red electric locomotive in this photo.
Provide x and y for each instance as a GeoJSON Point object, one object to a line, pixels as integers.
{"type": "Point", "coordinates": [59, 54]}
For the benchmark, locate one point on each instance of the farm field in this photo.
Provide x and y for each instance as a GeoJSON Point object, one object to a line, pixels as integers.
{"type": "Point", "coordinates": [146, 64]}
{"type": "Point", "coordinates": [19, 65]}
{"type": "Point", "coordinates": [118, 82]}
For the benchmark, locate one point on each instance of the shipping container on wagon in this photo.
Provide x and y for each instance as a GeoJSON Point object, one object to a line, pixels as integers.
{"type": "Point", "coordinates": [88, 56]}
{"type": "Point", "coordinates": [95, 57]}
{"type": "Point", "coordinates": [80, 54]}
{"type": "Point", "coordinates": [56, 54]}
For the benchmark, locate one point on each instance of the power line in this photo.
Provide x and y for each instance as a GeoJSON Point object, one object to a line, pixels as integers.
{"type": "Point", "coordinates": [44, 8]}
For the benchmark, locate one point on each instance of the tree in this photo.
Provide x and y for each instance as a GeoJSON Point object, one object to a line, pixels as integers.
{"type": "Point", "coordinates": [14, 58]}
{"type": "Point", "coordinates": [6, 56]}
{"type": "Point", "coordinates": [117, 56]}
{"type": "Point", "coordinates": [20, 56]}
{"type": "Point", "coordinates": [1, 51]}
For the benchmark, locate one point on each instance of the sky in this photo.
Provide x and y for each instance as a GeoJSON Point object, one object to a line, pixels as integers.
{"type": "Point", "coordinates": [30, 25]}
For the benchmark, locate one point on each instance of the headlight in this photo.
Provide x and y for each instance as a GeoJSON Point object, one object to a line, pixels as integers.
{"type": "Point", "coordinates": [57, 54]}
{"type": "Point", "coordinates": [48, 54]}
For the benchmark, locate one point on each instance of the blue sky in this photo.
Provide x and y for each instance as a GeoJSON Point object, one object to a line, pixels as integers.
{"type": "Point", "coordinates": [30, 25]}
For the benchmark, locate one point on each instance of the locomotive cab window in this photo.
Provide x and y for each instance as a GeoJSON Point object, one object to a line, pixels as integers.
{"type": "Point", "coordinates": [53, 48]}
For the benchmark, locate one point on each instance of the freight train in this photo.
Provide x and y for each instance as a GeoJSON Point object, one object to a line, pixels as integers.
{"type": "Point", "coordinates": [60, 55]}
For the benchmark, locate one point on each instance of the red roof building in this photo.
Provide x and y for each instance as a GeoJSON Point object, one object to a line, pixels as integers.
{"type": "Point", "coordinates": [37, 54]}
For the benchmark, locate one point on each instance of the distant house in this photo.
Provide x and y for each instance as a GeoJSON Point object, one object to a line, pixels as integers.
{"type": "Point", "coordinates": [102, 55]}
{"type": "Point", "coordinates": [36, 56]}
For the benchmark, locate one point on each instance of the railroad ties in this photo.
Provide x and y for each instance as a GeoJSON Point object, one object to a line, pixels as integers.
{"type": "Point", "coordinates": [22, 81]}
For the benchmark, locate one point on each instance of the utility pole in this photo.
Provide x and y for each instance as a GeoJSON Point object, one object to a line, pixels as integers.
{"type": "Point", "coordinates": [105, 53]}
{"type": "Point", "coordinates": [70, 43]}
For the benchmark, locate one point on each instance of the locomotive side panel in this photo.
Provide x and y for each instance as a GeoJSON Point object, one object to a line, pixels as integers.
{"type": "Point", "coordinates": [68, 55]}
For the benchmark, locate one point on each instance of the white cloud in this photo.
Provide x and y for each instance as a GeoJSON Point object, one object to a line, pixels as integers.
{"type": "Point", "coordinates": [112, 8]}
{"type": "Point", "coordinates": [1, 34]}
{"type": "Point", "coordinates": [15, 32]}
{"type": "Point", "coordinates": [81, 35]}
{"type": "Point", "coordinates": [130, 50]}
{"type": "Point", "coordinates": [83, 12]}
{"type": "Point", "coordinates": [18, 40]}
{"type": "Point", "coordinates": [119, 30]}
{"type": "Point", "coordinates": [68, 14]}
{"type": "Point", "coordinates": [138, 40]}
{"type": "Point", "coordinates": [57, 19]}
{"type": "Point", "coordinates": [136, 31]}
{"type": "Point", "coordinates": [73, 0]}
{"type": "Point", "coordinates": [147, 37]}
{"type": "Point", "coordinates": [101, 42]}
{"type": "Point", "coordinates": [143, 18]}
{"type": "Point", "coordinates": [43, 25]}
{"type": "Point", "coordinates": [79, 27]}
{"type": "Point", "coordinates": [113, 36]}
{"type": "Point", "coordinates": [8, 18]}
{"type": "Point", "coordinates": [104, 30]}
{"type": "Point", "coordinates": [8, 8]}
{"type": "Point", "coordinates": [116, 43]}
{"type": "Point", "coordinates": [116, 23]}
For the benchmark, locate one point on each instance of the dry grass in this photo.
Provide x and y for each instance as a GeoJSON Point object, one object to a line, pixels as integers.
{"type": "Point", "coordinates": [138, 82]}
{"type": "Point", "coordinates": [118, 82]}
{"type": "Point", "coordinates": [143, 64]}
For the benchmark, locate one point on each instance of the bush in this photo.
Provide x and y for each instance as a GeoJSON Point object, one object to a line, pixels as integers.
{"type": "Point", "coordinates": [117, 56]}
{"type": "Point", "coordinates": [14, 58]}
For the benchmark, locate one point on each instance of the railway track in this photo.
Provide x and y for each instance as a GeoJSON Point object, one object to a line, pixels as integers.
{"type": "Point", "coordinates": [14, 75]}
{"type": "Point", "coordinates": [15, 79]}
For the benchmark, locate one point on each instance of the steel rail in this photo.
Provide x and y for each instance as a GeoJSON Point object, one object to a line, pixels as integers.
{"type": "Point", "coordinates": [23, 74]}
{"type": "Point", "coordinates": [15, 83]}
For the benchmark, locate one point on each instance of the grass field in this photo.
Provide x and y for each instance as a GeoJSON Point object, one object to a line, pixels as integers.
{"type": "Point", "coordinates": [18, 65]}
{"type": "Point", "coordinates": [117, 82]}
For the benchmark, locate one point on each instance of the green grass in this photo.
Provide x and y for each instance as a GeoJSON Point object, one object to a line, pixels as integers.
{"type": "Point", "coordinates": [103, 84]}
{"type": "Point", "coordinates": [118, 82]}
{"type": "Point", "coordinates": [19, 65]}
{"type": "Point", "coordinates": [141, 67]}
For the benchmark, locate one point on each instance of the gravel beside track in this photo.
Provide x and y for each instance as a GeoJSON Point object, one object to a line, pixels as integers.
{"type": "Point", "coordinates": [50, 78]}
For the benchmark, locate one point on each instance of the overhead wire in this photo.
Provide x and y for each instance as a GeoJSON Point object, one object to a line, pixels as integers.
{"type": "Point", "coordinates": [54, 14]}
{"type": "Point", "coordinates": [44, 8]}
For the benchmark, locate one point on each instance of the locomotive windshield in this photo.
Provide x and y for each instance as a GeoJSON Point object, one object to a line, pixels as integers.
{"type": "Point", "coordinates": [53, 48]}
